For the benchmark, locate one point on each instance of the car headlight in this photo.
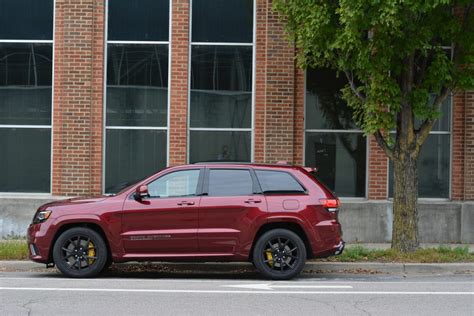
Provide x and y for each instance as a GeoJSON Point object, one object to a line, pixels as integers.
{"type": "Point", "coordinates": [41, 216]}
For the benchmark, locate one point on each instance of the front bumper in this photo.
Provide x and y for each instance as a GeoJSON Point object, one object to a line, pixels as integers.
{"type": "Point", "coordinates": [38, 243]}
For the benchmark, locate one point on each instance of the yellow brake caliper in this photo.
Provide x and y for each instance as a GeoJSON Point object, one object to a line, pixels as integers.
{"type": "Point", "coordinates": [90, 252]}
{"type": "Point", "coordinates": [269, 255]}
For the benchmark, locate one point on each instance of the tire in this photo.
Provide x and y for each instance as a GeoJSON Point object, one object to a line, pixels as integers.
{"type": "Point", "coordinates": [279, 254]}
{"type": "Point", "coordinates": [80, 253]}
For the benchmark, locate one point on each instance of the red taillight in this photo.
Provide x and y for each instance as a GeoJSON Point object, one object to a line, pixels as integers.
{"type": "Point", "coordinates": [330, 204]}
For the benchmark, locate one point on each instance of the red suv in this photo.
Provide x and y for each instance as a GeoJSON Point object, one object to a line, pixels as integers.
{"type": "Point", "coordinates": [275, 216]}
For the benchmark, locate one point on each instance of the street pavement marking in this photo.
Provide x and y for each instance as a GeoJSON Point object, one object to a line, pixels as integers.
{"type": "Point", "coordinates": [272, 286]}
{"type": "Point", "coordinates": [233, 291]}
{"type": "Point", "coordinates": [312, 281]}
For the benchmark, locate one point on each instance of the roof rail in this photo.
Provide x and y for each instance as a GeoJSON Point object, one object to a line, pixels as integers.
{"type": "Point", "coordinates": [223, 162]}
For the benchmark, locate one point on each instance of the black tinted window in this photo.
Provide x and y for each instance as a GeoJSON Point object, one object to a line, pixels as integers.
{"type": "Point", "coordinates": [25, 83]}
{"type": "Point", "coordinates": [26, 19]}
{"type": "Point", "coordinates": [226, 182]}
{"type": "Point", "coordinates": [277, 181]}
{"type": "Point", "coordinates": [222, 21]}
{"type": "Point", "coordinates": [144, 20]}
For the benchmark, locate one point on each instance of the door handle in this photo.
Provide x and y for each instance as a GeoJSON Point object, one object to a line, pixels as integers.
{"type": "Point", "coordinates": [186, 203]}
{"type": "Point", "coordinates": [253, 201]}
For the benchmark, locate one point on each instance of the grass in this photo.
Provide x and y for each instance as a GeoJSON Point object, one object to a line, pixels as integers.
{"type": "Point", "coordinates": [17, 249]}
{"type": "Point", "coordinates": [13, 249]}
{"type": "Point", "coordinates": [442, 254]}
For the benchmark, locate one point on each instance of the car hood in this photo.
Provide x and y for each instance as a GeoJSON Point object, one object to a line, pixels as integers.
{"type": "Point", "coordinates": [75, 201]}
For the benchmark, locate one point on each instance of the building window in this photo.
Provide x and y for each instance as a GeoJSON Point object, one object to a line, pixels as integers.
{"type": "Point", "coordinates": [221, 92]}
{"type": "Point", "coordinates": [137, 90]}
{"type": "Point", "coordinates": [434, 161]}
{"type": "Point", "coordinates": [333, 143]}
{"type": "Point", "coordinates": [26, 67]}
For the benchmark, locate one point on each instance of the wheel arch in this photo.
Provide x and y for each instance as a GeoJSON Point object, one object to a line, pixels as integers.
{"type": "Point", "coordinates": [87, 224]}
{"type": "Point", "coordinates": [287, 224]}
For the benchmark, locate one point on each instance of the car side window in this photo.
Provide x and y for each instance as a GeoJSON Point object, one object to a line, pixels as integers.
{"type": "Point", "coordinates": [175, 184]}
{"type": "Point", "coordinates": [230, 182]}
{"type": "Point", "coordinates": [278, 182]}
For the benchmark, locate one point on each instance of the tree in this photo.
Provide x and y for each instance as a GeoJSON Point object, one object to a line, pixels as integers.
{"type": "Point", "coordinates": [402, 59]}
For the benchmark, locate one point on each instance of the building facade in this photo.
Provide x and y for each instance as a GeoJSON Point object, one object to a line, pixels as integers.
{"type": "Point", "coordinates": [97, 93]}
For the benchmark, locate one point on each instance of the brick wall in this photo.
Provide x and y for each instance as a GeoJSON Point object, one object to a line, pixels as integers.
{"type": "Point", "coordinates": [298, 123]}
{"type": "Point", "coordinates": [279, 102]}
{"type": "Point", "coordinates": [78, 95]}
{"type": "Point", "coordinates": [377, 171]}
{"type": "Point", "coordinates": [469, 146]}
{"type": "Point", "coordinates": [275, 85]}
{"type": "Point", "coordinates": [458, 140]}
{"type": "Point", "coordinates": [179, 82]}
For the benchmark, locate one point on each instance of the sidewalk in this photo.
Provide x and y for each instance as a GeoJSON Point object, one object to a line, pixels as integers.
{"type": "Point", "coordinates": [220, 268]}
{"type": "Point", "coordinates": [310, 267]}
{"type": "Point", "coordinates": [387, 246]}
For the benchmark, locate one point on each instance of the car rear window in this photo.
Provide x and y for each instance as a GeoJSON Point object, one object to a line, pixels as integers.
{"type": "Point", "coordinates": [278, 182]}
{"type": "Point", "coordinates": [230, 182]}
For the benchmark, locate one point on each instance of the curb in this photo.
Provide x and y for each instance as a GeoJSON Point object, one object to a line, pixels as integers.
{"type": "Point", "coordinates": [310, 267]}
{"type": "Point", "coordinates": [392, 268]}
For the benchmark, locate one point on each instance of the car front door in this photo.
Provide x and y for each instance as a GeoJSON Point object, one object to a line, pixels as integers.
{"type": "Point", "coordinates": [231, 208]}
{"type": "Point", "coordinates": [166, 222]}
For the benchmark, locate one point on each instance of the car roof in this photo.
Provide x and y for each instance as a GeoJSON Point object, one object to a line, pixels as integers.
{"type": "Point", "coordinates": [245, 164]}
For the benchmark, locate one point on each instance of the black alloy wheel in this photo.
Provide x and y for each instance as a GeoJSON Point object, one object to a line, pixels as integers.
{"type": "Point", "coordinates": [279, 254]}
{"type": "Point", "coordinates": [80, 252]}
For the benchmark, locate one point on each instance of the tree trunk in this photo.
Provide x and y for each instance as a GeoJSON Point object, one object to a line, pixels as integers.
{"type": "Point", "coordinates": [405, 212]}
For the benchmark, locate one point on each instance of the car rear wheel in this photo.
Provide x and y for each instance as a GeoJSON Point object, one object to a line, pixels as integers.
{"type": "Point", "coordinates": [279, 254]}
{"type": "Point", "coordinates": [80, 252]}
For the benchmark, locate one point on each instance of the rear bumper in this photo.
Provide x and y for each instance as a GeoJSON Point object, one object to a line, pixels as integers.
{"type": "Point", "coordinates": [340, 248]}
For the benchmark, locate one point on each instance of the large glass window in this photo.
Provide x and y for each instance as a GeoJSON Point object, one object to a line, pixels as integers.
{"type": "Point", "coordinates": [137, 90]}
{"type": "Point", "coordinates": [26, 66]}
{"type": "Point", "coordinates": [333, 144]}
{"type": "Point", "coordinates": [26, 19]}
{"type": "Point", "coordinates": [221, 81]}
{"type": "Point", "coordinates": [434, 160]}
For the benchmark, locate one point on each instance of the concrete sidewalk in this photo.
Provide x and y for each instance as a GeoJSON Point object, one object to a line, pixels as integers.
{"type": "Point", "coordinates": [220, 268]}
{"type": "Point", "coordinates": [423, 245]}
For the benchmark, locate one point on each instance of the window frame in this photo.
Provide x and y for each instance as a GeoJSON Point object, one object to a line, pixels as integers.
{"type": "Point", "coordinates": [450, 161]}
{"type": "Point", "coordinates": [304, 192]}
{"type": "Point", "coordinates": [51, 125]}
{"type": "Point", "coordinates": [336, 131]}
{"type": "Point", "coordinates": [199, 185]}
{"type": "Point", "coordinates": [205, 186]}
{"type": "Point", "coordinates": [104, 97]}
{"type": "Point", "coordinates": [190, 129]}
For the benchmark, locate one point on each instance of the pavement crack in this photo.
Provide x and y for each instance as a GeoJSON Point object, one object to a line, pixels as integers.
{"type": "Point", "coordinates": [357, 306]}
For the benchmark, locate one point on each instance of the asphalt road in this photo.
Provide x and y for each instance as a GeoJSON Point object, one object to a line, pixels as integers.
{"type": "Point", "coordinates": [147, 294]}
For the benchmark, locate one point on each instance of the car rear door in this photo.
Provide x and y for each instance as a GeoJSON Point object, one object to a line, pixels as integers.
{"type": "Point", "coordinates": [230, 211]}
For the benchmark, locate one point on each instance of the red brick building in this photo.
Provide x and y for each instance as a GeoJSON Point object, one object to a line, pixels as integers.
{"type": "Point", "coordinates": [97, 93]}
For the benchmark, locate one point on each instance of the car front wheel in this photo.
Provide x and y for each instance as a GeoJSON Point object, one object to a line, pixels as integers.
{"type": "Point", "coordinates": [80, 252]}
{"type": "Point", "coordinates": [279, 254]}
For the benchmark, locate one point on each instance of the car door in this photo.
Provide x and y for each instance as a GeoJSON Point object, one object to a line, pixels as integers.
{"type": "Point", "coordinates": [166, 222]}
{"type": "Point", "coordinates": [230, 209]}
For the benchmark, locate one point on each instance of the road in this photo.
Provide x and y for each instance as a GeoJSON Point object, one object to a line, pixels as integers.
{"type": "Point", "coordinates": [144, 294]}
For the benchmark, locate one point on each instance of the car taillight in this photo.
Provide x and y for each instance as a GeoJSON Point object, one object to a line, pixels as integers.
{"type": "Point", "coordinates": [332, 205]}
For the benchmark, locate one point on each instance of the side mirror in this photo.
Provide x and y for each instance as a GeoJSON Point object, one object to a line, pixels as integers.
{"type": "Point", "coordinates": [141, 192]}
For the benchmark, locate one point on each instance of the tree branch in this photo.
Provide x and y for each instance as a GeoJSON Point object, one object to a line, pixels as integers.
{"type": "Point", "coordinates": [427, 125]}
{"type": "Point", "coordinates": [383, 144]}
{"type": "Point", "coordinates": [350, 78]}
